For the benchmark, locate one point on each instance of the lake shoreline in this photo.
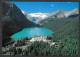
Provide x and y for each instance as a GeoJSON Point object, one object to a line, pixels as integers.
{"type": "Point", "coordinates": [32, 32]}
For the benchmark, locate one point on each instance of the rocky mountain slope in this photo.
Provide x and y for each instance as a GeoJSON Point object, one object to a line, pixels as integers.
{"type": "Point", "coordinates": [63, 14]}
{"type": "Point", "coordinates": [13, 21]}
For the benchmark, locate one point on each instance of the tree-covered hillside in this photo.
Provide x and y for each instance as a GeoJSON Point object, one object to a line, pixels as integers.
{"type": "Point", "coordinates": [61, 49]}
{"type": "Point", "coordinates": [66, 33]}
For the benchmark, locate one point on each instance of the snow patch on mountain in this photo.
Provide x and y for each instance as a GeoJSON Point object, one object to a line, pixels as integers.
{"type": "Point", "coordinates": [39, 15]}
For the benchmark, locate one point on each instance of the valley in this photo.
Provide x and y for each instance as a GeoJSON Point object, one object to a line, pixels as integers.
{"type": "Point", "coordinates": [39, 34]}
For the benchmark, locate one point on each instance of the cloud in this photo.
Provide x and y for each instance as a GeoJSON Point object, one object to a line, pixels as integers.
{"type": "Point", "coordinates": [52, 5]}
{"type": "Point", "coordinates": [68, 2]}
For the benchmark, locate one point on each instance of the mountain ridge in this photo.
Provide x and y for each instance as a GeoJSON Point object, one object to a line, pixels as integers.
{"type": "Point", "coordinates": [58, 14]}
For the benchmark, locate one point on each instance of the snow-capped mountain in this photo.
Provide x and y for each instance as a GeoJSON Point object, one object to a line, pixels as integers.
{"type": "Point", "coordinates": [37, 17]}
{"type": "Point", "coordinates": [57, 14]}
{"type": "Point", "coordinates": [63, 14]}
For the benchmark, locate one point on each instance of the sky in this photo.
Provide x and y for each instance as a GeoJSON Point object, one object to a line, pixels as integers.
{"type": "Point", "coordinates": [46, 7]}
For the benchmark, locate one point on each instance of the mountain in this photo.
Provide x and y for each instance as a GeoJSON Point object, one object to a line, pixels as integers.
{"type": "Point", "coordinates": [60, 14]}
{"type": "Point", "coordinates": [63, 14]}
{"type": "Point", "coordinates": [66, 34]}
{"type": "Point", "coordinates": [74, 12]}
{"type": "Point", "coordinates": [27, 16]}
{"type": "Point", "coordinates": [13, 21]}
{"type": "Point", "coordinates": [37, 17]}
{"type": "Point", "coordinates": [57, 14]}
{"type": "Point", "coordinates": [24, 13]}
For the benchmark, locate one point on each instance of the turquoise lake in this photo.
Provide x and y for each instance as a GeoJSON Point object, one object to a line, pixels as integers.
{"type": "Point", "coordinates": [31, 32]}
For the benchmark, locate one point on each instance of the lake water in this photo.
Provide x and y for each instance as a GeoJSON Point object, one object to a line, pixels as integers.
{"type": "Point", "coordinates": [31, 32]}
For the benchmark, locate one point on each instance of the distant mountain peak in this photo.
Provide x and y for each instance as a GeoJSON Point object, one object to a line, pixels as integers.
{"type": "Point", "coordinates": [60, 11]}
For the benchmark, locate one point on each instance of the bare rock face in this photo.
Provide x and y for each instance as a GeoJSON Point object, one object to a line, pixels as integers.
{"type": "Point", "coordinates": [13, 21]}
{"type": "Point", "coordinates": [60, 16]}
